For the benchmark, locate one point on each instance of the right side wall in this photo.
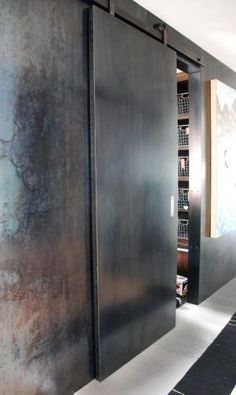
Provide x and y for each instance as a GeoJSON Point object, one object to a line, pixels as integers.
{"type": "Point", "coordinates": [218, 256]}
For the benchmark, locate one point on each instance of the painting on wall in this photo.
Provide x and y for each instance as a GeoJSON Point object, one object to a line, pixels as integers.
{"type": "Point", "coordinates": [221, 111]}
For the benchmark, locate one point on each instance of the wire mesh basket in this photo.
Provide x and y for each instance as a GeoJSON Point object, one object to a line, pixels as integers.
{"type": "Point", "coordinates": [183, 166]}
{"type": "Point", "coordinates": [183, 227]}
{"type": "Point", "coordinates": [183, 103]}
{"type": "Point", "coordinates": [183, 135]}
{"type": "Point", "coordinates": [183, 198]}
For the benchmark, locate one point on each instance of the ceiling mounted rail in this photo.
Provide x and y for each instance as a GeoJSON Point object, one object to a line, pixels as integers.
{"type": "Point", "coordinates": [145, 21]}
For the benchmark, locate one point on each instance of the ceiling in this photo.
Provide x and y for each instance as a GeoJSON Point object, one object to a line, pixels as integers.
{"type": "Point", "coordinates": [209, 23]}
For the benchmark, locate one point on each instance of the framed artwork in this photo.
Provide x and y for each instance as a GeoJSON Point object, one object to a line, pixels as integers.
{"type": "Point", "coordinates": [221, 162]}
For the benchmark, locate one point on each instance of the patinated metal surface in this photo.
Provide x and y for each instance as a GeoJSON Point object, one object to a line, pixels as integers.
{"type": "Point", "coordinates": [45, 301]}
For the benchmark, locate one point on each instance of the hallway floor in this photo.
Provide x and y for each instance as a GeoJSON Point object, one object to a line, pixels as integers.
{"type": "Point", "coordinates": [161, 366]}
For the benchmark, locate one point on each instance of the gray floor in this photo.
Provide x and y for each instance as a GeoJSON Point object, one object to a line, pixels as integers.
{"type": "Point", "coordinates": [161, 366]}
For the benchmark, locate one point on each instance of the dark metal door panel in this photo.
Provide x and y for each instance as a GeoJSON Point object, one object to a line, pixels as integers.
{"type": "Point", "coordinates": [134, 152]}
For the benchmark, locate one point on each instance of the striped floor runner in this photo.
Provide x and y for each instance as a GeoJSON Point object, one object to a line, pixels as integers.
{"type": "Point", "coordinates": [214, 373]}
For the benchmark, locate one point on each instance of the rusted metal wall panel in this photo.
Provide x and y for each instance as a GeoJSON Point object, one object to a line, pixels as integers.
{"type": "Point", "coordinates": [45, 301]}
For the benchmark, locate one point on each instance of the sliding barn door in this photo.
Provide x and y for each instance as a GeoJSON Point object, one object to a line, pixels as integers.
{"type": "Point", "coordinates": [134, 184]}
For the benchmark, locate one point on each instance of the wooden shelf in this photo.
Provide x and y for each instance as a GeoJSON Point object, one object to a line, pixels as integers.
{"type": "Point", "coordinates": [182, 77]}
{"type": "Point", "coordinates": [183, 147]}
{"type": "Point", "coordinates": [182, 243]}
{"type": "Point", "coordinates": [183, 178]}
{"type": "Point", "coordinates": [182, 259]}
{"type": "Point", "coordinates": [181, 117]}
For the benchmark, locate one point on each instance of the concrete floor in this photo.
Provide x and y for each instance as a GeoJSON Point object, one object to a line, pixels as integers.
{"type": "Point", "coordinates": [158, 369]}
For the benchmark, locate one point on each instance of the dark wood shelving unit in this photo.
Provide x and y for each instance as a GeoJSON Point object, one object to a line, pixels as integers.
{"type": "Point", "coordinates": [183, 151]}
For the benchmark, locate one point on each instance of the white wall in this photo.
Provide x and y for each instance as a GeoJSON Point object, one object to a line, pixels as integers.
{"type": "Point", "coordinates": [209, 23]}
